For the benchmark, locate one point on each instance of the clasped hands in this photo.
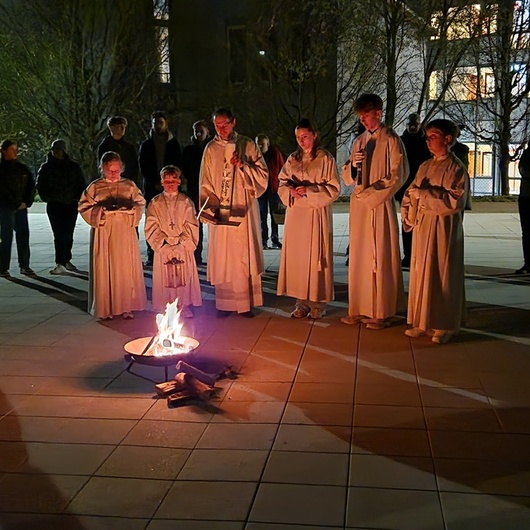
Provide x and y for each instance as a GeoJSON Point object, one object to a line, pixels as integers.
{"type": "Point", "coordinates": [298, 192]}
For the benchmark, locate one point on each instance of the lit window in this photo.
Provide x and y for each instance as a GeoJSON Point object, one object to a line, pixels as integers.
{"type": "Point", "coordinates": [462, 22]}
{"type": "Point", "coordinates": [433, 86]}
{"type": "Point", "coordinates": [161, 9]}
{"type": "Point", "coordinates": [163, 54]}
{"type": "Point", "coordinates": [468, 83]}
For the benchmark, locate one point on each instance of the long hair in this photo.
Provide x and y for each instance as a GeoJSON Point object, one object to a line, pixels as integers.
{"type": "Point", "coordinates": [305, 123]}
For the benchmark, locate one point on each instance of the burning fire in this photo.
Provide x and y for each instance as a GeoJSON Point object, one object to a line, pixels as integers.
{"type": "Point", "coordinates": [168, 340]}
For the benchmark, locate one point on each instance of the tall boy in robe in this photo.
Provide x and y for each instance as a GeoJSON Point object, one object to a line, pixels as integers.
{"type": "Point", "coordinates": [379, 169]}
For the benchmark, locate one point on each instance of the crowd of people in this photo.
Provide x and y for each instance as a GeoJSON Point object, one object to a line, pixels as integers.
{"type": "Point", "coordinates": [235, 185]}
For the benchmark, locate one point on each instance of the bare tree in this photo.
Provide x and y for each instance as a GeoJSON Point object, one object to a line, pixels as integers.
{"type": "Point", "coordinates": [70, 64]}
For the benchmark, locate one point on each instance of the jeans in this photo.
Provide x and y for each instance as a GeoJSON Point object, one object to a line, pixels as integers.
{"type": "Point", "coordinates": [62, 219]}
{"type": "Point", "coordinates": [267, 202]}
{"type": "Point", "coordinates": [16, 220]}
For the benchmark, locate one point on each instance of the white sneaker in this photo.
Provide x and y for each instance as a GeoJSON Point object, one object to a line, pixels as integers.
{"type": "Point", "coordinates": [69, 266]}
{"type": "Point", "coordinates": [58, 269]}
{"type": "Point", "coordinates": [415, 332]}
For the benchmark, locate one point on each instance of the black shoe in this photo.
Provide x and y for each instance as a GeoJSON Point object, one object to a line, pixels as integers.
{"type": "Point", "coordinates": [405, 263]}
{"type": "Point", "coordinates": [223, 314]}
{"type": "Point", "coordinates": [523, 270]}
{"type": "Point", "coordinates": [5, 274]}
{"type": "Point", "coordinates": [276, 244]}
{"type": "Point", "coordinates": [265, 246]}
{"type": "Point", "coordinates": [248, 314]}
{"type": "Point", "coordinates": [27, 271]}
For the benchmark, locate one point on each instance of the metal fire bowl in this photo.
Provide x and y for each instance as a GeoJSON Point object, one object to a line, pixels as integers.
{"type": "Point", "coordinates": [135, 348]}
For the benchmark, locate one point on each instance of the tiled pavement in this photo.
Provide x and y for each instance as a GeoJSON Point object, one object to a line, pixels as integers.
{"type": "Point", "coordinates": [327, 426]}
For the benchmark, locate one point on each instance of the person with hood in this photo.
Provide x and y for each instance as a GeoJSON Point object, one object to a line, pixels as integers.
{"type": "Point", "coordinates": [160, 149]}
{"type": "Point", "coordinates": [191, 168]}
{"type": "Point", "coordinates": [60, 183]}
{"type": "Point", "coordinates": [233, 176]}
{"type": "Point", "coordinates": [17, 191]}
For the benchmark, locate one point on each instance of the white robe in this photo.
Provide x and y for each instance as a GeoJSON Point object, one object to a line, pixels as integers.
{"type": "Point", "coordinates": [172, 231]}
{"type": "Point", "coordinates": [436, 286]}
{"type": "Point", "coordinates": [306, 265]}
{"type": "Point", "coordinates": [116, 277]}
{"type": "Point", "coordinates": [235, 254]}
{"type": "Point", "coordinates": [375, 282]}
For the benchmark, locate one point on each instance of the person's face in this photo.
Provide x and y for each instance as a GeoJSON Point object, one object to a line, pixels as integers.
{"type": "Point", "coordinates": [112, 170]}
{"type": "Point", "coordinates": [413, 126]}
{"type": "Point", "coordinates": [371, 119]}
{"type": "Point", "coordinates": [58, 153]}
{"type": "Point", "coordinates": [117, 131]}
{"type": "Point", "coordinates": [438, 142]}
{"type": "Point", "coordinates": [263, 145]}
{"type": "Point", "coordinates": [305, 139]}
{"type": "Point", "coordinates": [200, 133]}
{"type": "Point", "coordinates": [160, 125]}
{"type": "Point", "coordinates": [224, 126]}
{"type": "Point", "coordinates": [10, 153]}
{"type": "Point", "coordinates": [171, 182]}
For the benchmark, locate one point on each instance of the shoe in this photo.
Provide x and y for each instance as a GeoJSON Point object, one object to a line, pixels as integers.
{"type": "Point", "coordinates": [415, 332]}
{"type": "Point", "coordinates": [110, 317]}
{"type": "Point", "coordinates": [523, 270]}
{"type": "Point", "coordinates": [265, 246]}
{"type": "Point", "coordinates": [27, 271]}
{"type": "Point", "coordinates": [317, 313]}
{"type": "Point", "coordinates": [5, 274]}
{"type": "Point", "coordinates": [69, 266]}
{"type": "Point", "coordinates": [128, 315]}
{"type": "Point", "coordinates": [223, 314]}
{"type": "Point", "coordinates": [276, 244]}
{"type": "Point", "coordinates": [352, 320]}
{"type": "Point", "coordinates": [442, 336]}
{"type": "Point", "coordinates": [405, 263]}
{"type": "Point", "coordinates": [58, 269]}
{"type": "Point", "coordinates": [186, 312]}
{"type": "Point", "coordinates": [248, 314]}
{"type": "Point", "coordinates": [300, 312]}
{"type": "Point", "coordinates": [378, 323]}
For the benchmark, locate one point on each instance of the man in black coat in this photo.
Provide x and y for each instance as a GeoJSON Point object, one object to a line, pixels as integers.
{"type": "Point", "coordinates": [191, 167]}
{"type": "Point", "coordinates": [116, 142]}
{"type": "Point", "coordinates": [160, 149]}
{"type": "Point", "coordinates": [60, 183]}
{"type": "Point", "coordinates": [413, 139]}
{"type": "Point", "coordinates": [17, 191]}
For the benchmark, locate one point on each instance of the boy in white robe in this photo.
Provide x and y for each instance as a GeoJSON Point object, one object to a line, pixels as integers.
{"type": "Point", "coordinates": [432, 208]}
{"type": "Point", "coordinates": [172, 231]}
{"type": "Point", "coordinates": [379, 168]}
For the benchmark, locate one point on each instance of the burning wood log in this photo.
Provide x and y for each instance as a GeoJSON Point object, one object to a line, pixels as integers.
{"type": "Point", "coordinates": [208, 379]}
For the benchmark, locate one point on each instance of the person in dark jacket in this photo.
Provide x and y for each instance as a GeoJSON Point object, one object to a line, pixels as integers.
{"type": "Point", "coordinates": [60, 183]}
{"type": "Point", "coordinates": [413, 139]}
{"type": "Point", "coordinates": [524, 209]}
{"type": "Point", "coordinates": [160, 149]}
{"type": "Point", "coordinates": [275, 160]}
{"type": "Point", "coordinates": [17, 191]}
{"type": "Point", "coordinates": [116, 142]}
{"type": "Point", "coordinates": [191, 167]}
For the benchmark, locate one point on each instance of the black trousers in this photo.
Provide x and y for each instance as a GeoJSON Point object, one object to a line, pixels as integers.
{"type": "Point", "coordinates": [16, 220]}
{"type": "Point", "coordinates": [62, 219]}
{"type": "Point", "coordinates": [267, 202]}
{"type": "Point", "coordinates": [524, 216]}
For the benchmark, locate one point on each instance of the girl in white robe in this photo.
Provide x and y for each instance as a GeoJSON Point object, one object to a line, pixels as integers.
{"type": "Point", "coordinates": [172, 231]}
{"type": "Point", "coordinates": [432, 208]}
{"type": "Point", "coordinates": [113, 207]}
{"type": "Point", "coordinates": [308, 185]}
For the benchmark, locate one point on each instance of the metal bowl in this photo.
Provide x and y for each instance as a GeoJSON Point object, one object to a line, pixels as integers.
{"type": "Point", "coordinates": [135, 348]}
